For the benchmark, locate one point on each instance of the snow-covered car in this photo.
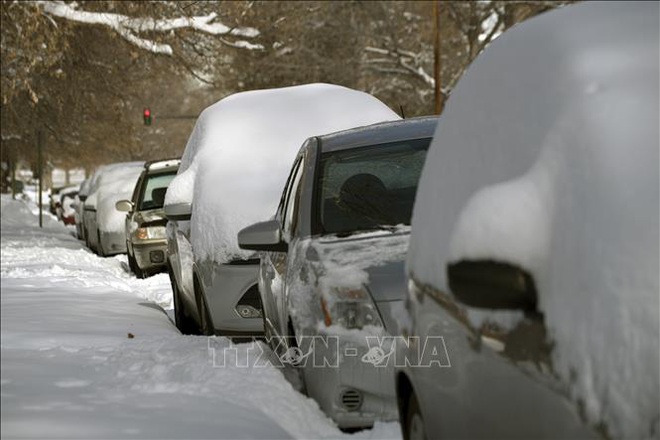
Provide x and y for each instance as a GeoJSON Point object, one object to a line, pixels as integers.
{"type": "Point", "coordinates": [333, 269]}
{"type": "Point", "coordinates": [534, 244]}
{"type": "Point", "coordinates": [232, 173]}
{"type": "Point", "coordinates": [64, 207]}
{"type": "Point", "coordinates": [104, 225]}
{"type": "Point", "coordinates": [146, 240]}
{"type": "Point", "coordinates": [54, 199]}
{"type": "Point", "coordinates": [78, 207]}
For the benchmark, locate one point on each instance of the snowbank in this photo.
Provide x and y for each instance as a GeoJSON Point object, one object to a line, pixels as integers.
{"type": "Point", "coordinates": [547, 157]}
{"type": "Point", "coordinates": [70, 369]}
{"type": "Point", "coordinates": [240, 153]}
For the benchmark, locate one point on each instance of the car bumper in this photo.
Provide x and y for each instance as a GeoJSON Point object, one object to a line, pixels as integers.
{"type": "Point", "coordinates": [352, 391]}
{"type": "Point", "coordinates": [150, 254]}
{"type": "Point", "coordinates": [113, 243]}
{"type": "Point", "coordinates": [225, 285]}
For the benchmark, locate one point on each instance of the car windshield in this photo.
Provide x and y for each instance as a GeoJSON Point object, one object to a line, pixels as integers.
{"type": "Point", "coordinates": [368, 188]}
{"type": "Point", "coordinates": [153, 195]}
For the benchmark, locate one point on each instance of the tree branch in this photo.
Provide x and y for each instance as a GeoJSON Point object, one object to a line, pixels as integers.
{"type": "Point", "coordinates": [129, 27]}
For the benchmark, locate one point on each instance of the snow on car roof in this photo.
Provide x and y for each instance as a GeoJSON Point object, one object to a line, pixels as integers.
{"type": "Point", "coordinates": [241, 150]}
{"type": "Point", "coordinates": [546, 156]}
{"type": "Point", "coordinates": [162, 164]}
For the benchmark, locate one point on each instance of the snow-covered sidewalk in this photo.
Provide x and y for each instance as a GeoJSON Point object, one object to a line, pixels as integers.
{"type": "Point", "coordinates": [88, 352]}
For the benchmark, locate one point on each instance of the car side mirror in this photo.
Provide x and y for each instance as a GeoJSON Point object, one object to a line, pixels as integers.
{"type": "Point", "coordinates": [124, 205]}
{"type": "Point", "coordinates": [178, 211]}
{"type": "Point", "coordinates": [82, 197]}
{"type": "Point", "coordinates": [492, 285]}
{"type": "Point", "coordinates": [263, 236]}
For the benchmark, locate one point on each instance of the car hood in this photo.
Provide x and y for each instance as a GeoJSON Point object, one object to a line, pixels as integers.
{"type": "Point", "coordinates": [375, 260]}
{"type": "Point", "coordinates": [153, 217]}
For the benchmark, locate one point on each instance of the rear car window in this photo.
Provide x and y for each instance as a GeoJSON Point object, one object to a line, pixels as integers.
{"type": "Point", "coordinates": [368, 188]}
{"type": "Point", "coordinates": [153, 194]}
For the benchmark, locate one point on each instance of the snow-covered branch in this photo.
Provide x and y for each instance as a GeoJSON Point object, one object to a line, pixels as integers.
{"type": "Point", "coordinates": [407, 61]}
{"type": "Point", "coordinates": [130, 27]}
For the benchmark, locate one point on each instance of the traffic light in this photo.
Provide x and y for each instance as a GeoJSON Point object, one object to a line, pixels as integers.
{"type": "Point", "coordinates": [147, 116]}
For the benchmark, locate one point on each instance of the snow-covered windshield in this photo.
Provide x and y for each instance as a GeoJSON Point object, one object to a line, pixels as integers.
{"type": "Point", "coordinates": [369, 187]}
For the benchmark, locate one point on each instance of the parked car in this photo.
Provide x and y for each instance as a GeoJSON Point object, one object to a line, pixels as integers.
{"type": "Point", "coordinates": [64, 207]}
{"type": "Point", "coordinates": [54, 199]}
{"type": "Point", "coordinates": [335, 259]}
{"type": "Point", "coordinates": [231, 175]}
{"type": "Point", "coordinates": [534, 244]}
{"type": "Point", "coordinates": [146, 240]}
{"type": "Point", "coordinates": [78, 207]}
{"type": "Point", "coordinates": [104, 225]}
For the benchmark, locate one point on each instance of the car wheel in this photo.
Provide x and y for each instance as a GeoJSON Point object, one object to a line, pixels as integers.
{"type": "Point", "coordinates": [181, 319]}
{"type": "Point", "coordinates": [294, 373]}
{"type": "Point", "coordinates": [414, 422]}
{"type": "Point", "coordinates": [205, 323]}
{"type": "Point", "coordinates": [137, 271]}
{"type": "Point", "coordinates": [99, 246]}
{"type": "Point", "coordinates": [132, 264]}
{"type": "Point", "coordinates": [131, 260]}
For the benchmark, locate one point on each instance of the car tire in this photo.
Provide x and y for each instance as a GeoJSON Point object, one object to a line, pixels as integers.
{"type": "Point", "coordinates": [99, 246]}
{"type": "Point", "coordinates": [132, 264]}
{"type": "Point", "coordinates": [181, 318]}
{"type": "Point", "coordinates": [414, 427]}
{"type": "Point", "coordinates": [297, 379]}
{"type": "Point", "coordinates": [142, 274]}
{"type": "Point", "coordinates": [206, 327]}
{"type": "Point", "coordinates": [131, 260]}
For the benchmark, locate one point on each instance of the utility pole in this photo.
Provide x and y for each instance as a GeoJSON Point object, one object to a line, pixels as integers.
{"type": "Point", "coordinates": [439, 97]}
{"type": "Point", "coordinates": [40, 145]}
{"type": "Point", "coordinates": [13, 176]}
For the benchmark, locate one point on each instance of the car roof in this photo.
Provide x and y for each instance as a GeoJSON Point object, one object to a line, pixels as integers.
{"type": "Point", "coordinates": [412, 128]}
{"type": "Point", "coordinates": [162, 164]}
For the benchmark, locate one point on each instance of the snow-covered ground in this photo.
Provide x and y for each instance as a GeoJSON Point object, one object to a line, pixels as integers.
{"type": "Point", "coordinates": [88, 352]}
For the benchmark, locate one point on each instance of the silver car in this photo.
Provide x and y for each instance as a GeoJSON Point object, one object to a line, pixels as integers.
{"type": "Point", "coordinates": [332, 278]}
{"type": "Point", "coordinates": [533, 258]}
{"type": "Point", "coordinates": [146, 240]}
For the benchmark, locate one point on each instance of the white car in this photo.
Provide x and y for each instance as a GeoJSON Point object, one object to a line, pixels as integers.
{"type": "Point", "coordinates": [78, 207]}
{"type": "Point", "coordinates": [232, 174]}
{"type": "Point", "coordinates": [102, 222]}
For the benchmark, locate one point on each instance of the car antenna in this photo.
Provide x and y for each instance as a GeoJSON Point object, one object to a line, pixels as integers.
{"type": "Point", "coordinates": [403, 114]}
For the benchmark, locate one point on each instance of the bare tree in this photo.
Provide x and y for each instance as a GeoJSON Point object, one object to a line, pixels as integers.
{"type": "Point", "coordinates": [81, 71]}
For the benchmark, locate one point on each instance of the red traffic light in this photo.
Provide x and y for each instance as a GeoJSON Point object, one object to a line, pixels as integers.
{"type": "Point", "coordinates": [147, 116]}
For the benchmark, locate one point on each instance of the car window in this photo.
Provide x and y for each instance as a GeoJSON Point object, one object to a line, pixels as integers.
{"type": "Point", "coordinates": [136, 190]}
{"type": "Point", "coordinates": [368, 187]}
{"type": "Point", "coordinates": [292, 196]}
{"type": "Point", "coordinates": [153, 194]}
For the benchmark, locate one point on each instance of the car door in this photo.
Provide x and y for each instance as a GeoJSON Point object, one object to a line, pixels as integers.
{"type": "Point", "coordinates": [131, 224]}
{"type": "Point", "coordinates": [275, 263]}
